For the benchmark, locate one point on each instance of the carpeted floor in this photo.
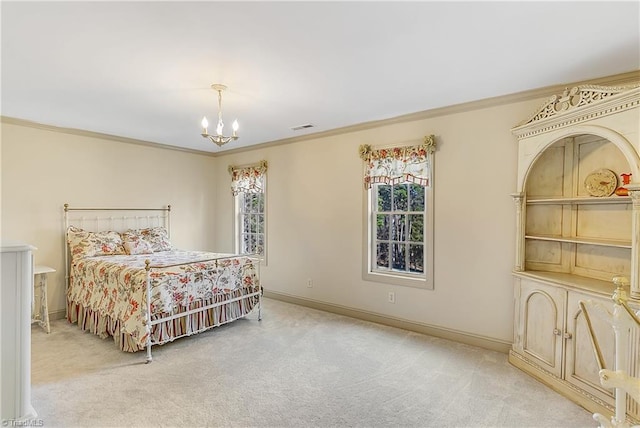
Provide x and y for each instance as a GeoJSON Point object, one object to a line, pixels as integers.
{"type": "Point", "coordinates": [298, 367]}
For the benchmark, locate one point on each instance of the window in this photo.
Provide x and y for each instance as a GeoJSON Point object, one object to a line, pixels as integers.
{"type": "Point", "coordinates": [248, 186]}
{"type": "Point", "coordinates": [398, 212]}
{"type": "Point", "coordinates": [399, 215]}
{"type": "Point", "coordinates": [250, 223]}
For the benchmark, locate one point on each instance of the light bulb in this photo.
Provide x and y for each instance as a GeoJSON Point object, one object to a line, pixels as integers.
{"type": "Point", "coordinates": [234, 125]}
{"type": "Point", "coordinates": [205, 123]}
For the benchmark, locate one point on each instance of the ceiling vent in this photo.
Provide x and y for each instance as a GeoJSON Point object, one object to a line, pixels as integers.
{"type": "Point", "coordinates": [301, 127]}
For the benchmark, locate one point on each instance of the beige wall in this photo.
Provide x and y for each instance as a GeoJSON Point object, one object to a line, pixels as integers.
{"type": "Point", "coordinates": [315, 209]}
{"type": "Point", "coordinates": [315, 216]}
{"type": "Point", "coordinates": [42, 170]}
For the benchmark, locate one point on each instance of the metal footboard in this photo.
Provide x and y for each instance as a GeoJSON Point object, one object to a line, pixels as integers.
{"type": "Point", "coordinates": [202, 308]}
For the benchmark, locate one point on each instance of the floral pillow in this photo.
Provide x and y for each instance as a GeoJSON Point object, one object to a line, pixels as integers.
{"type": "Point", "coordinates": [88, 244]}
{"type": "Point", "coordinates": [134, 243]}
{"type": "Point", "coordinates": [158, 237]}
{"type": "Point", "coordinates": [139, 246]}
{"type": "Point", "coordinates": [152, 239]}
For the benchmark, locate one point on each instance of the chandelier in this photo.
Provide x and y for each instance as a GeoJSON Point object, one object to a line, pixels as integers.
{"type": "Point", "coordinates": [219, 137]}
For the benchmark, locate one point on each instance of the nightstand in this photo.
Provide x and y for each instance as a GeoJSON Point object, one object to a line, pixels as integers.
{"type": "Point", "coordinates": [41, 315]}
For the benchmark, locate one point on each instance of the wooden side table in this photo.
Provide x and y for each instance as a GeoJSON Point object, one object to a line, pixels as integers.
{"type": "Point", "coordinates": [41, 315]}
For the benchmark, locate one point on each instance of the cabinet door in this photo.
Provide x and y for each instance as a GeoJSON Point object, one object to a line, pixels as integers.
{"type": "Point", "coordinates": [541, 314]}
{"type": "Point", "coordinates": [581, 362]}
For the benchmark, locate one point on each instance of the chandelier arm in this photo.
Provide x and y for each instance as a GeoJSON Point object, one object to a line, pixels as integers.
{"type": "Point", "coordinates": [219, 139]}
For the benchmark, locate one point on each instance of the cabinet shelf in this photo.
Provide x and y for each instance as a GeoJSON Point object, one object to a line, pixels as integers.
{"type": "Point", "coordinates": [576, 240]}
{"type": "Point", "coordinates": [580, 201]}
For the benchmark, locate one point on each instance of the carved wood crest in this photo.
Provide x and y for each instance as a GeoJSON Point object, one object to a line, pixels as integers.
{"type": "Point", "coordinates": [573, 98]}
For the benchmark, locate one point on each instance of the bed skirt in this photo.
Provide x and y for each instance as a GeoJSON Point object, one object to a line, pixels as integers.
{"type": "Point", "coordinates": [104, 325]}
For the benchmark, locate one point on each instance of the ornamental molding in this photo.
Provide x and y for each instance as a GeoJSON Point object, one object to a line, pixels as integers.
{"type": "Point", "coordinates": [518, 198]}
{"type": "Point", "coordinates": [546, 373]}
{"type": "Point", "coordinates": [576, 105]}
{"type": "Point", "coordinates": [634, 193]}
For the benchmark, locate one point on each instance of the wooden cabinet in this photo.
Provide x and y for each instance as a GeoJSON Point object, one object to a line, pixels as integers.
{"type": "Point", "coordinates": [574, 234]}
{"type": "Point", "coordinates": [553, 334]}
{"type": "Point", "coordinates": [17, 287]}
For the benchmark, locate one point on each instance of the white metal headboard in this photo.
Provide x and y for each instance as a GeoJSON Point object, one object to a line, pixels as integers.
{"type": "Point", "coordinates": [115, 219]}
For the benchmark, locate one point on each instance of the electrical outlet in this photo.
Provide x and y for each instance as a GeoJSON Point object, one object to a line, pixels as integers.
{"type": "Point", "coordinates": [309, 283]}
{"type": "Point", "coordinates": [392, 297]}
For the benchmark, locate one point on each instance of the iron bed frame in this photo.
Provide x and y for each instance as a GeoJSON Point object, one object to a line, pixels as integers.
{"type": "Point", "coordinates": [153, 217]}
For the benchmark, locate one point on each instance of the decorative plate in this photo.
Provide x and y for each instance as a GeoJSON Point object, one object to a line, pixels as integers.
{"type": "Point", "coordinates": [601, 182]}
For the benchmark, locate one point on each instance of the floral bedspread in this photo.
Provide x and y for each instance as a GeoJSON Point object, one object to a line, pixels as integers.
{"type": "Point", "coordinates": [116, 285]}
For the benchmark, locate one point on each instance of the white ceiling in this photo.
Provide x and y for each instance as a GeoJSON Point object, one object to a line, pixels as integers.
{"type": "Point", "coordinates": [143, 70]}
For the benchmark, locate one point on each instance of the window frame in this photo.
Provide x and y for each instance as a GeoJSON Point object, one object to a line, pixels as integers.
{"type": "Point", "coordinates": [238, 224]}
{"type": "Point", "coordinates": [369, 271]}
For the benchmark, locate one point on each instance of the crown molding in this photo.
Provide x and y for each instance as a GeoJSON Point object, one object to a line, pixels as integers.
{"type": "Point", "coordinates": [623, 79]}
{"type": "Point", "coordinates": [99, 135]}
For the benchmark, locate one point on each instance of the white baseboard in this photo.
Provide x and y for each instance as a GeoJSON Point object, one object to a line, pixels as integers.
{"type": "Point", "coordinates": [57, 315]}
{"type": "Point", "coordinates": [431, 330]}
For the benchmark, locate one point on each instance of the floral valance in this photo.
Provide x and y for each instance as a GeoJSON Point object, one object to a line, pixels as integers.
{"type": "Point", "coordinates": [248, 179]}
{"type": "Point", "coordinates": [398, 164]}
